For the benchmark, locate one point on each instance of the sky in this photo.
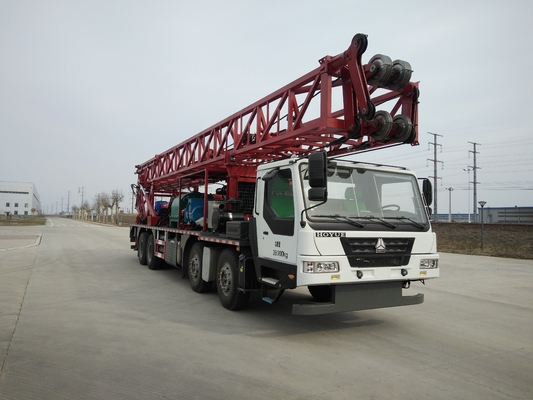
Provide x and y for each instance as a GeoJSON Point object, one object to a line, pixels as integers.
{"type": "Point", "coordinates": [89, 89]}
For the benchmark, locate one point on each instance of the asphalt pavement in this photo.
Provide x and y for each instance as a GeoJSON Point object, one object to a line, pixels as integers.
{"type": "Point", "coordinates": [80, 318]}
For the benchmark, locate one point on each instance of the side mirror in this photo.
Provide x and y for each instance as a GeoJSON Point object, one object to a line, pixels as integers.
{"type": "Point", "coordinates": [427, 191]}
{"type": "Point", "coordinates": [318, 179]}
{"type": "Point", "coordinates": [317, 169]}
{"type": "Point", "coordinates": [317, 194]}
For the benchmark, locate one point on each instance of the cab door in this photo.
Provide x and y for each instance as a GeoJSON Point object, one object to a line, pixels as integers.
{"type": "Point", "coordinates": [275, 216]}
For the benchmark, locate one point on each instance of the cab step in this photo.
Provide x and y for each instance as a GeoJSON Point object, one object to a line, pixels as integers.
{"type": "Point", "coordinates": [270, 281]}
{"type": "Point", "coordinates": [272, 284]}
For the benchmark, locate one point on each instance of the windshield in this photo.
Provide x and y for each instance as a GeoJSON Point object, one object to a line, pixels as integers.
{"type": "Point", "coordinates": [368, 196]}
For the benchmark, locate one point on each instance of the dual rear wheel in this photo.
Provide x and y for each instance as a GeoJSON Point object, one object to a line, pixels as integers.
{"type": "Point", "coordinates": [195, 267]}
{"type": "Point", "coordinates": [227, 273]}
{"type": "Point", "coordinates": [227, 277]}
{"type": "Point", "coordinates": [146, 251]}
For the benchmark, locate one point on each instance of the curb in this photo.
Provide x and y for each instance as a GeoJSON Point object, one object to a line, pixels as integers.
{"type": "Point", "coordinates": [38, 238]}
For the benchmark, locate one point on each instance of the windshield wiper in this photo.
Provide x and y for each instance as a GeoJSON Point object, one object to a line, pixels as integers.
{"type": "Point", "coordinates": [418, 225]}
{"type": "Point", "coordinates": [372, 218]}
{"type": "Point", "coordinates": [341, 217]}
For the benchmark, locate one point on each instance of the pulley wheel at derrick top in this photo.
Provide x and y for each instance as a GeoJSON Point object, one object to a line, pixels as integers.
{"type": "Point", "coordinates": [402, 127]}
{"type": "Point", "coordinates": [381, 69]}
{"type": "Point", "coordinates": [384, 125]}
{"type": "Point", "coordinates": [366, 114]}
{"type": "Point", "coordinates": [401, 75]}
{"type": "Point", "coordinates": [360, 41]}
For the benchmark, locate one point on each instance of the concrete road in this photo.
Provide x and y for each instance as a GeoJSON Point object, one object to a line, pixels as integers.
{"type": "Point", "coordinates": [80, 318]}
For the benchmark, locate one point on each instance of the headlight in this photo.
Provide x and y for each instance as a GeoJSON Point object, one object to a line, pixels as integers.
{"type": "Point", "coordinates": [320, 267]}
{"type": "Point", "coordinates": [429, 264]}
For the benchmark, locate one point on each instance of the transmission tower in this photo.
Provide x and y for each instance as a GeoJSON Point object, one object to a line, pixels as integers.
{"type": "Point", "coordinates": [475, 182]}
{"type": "Point", "coordinates": [435, 177]}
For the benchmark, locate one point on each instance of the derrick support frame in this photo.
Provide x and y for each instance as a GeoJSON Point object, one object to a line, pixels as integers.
{"type": "Point", "coordinates": [298, 119]}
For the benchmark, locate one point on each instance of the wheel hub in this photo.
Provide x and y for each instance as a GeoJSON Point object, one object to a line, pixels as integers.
{"type": "Point", "coordinates": [225, 279]}
{"type": "Point", "coordinates": [194, 268]}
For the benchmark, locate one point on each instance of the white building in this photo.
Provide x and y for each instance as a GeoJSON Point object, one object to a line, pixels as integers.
{"type": "Point", "coordinates": [19, 198]}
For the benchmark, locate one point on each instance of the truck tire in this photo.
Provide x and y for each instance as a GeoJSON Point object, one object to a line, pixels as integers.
{"type": "Point", "coordinates": [152, 261]}
{"type": "Point", "coordinates": [195, 266]}
{"type": "Point", "coordinates": [320, 293]}
{"type": "Point", "coordinates": [141, 247]}
{"type": "Point", "coordinates": [228, 280]}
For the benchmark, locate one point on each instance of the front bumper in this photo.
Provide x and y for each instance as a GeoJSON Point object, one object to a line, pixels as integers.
{"type": "Point", "coordinates": [356, 297]}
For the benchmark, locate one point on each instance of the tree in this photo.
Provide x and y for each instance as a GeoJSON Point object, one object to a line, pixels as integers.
{"type": "Point", "coordinates": [97, 206]}
{"type": "Point", "coordinates": [105, 202]}
{"type": "Point", "coordinates": [75, 211]}
{"type": "Point", "coordinates": [116, 199]}
{"type": "Point", "coordinates": [86, 209]}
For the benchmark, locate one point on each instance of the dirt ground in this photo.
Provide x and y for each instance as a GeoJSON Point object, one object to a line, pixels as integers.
{"type": "Point", "coordinates": [15, 220]}
{"type": "Point", "coordinates": [499, 240]}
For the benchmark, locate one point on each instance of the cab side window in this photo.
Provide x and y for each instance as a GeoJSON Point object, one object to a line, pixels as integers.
{"type": "Point", "coordinates": [279, 194]}
{"type": "Point", "coordinates": [278, 208]}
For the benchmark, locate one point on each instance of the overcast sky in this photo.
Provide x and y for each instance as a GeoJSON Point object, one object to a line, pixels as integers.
{"type": "Point", "coordinates": [89, 89]}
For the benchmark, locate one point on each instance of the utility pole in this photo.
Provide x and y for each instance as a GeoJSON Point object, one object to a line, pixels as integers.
{"type": "Point", "coordinates": [475, 182]}
{"type": "Point", "coordinates": [81, 189]}
{"type": "Point", "coordinates": [68, 203]}
{"type": "Point", "coordinates": [450, 189]}
{"type": "Point", "coordinates": [435, 161]}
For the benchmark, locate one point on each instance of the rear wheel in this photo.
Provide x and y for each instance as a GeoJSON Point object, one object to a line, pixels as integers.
{"type": "Point", "coordinates": [228, 280]}
{"type": "Point", "coordinates": [141, 248]}
{"type": "Point", "coordinates": [195, 269]}
{"type": "Point", "coordinates": [152, 261]}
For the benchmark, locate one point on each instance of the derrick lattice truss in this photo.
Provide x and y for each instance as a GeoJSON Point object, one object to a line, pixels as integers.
{"type": "Point", "coordinates": [343, 106]}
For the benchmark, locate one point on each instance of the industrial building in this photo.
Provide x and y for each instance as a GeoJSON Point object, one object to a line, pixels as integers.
{"type": "Point", "coordinates": [19, 198]}
{"type": "Point", "coordinates": [507, 215]}
{"type": "Point", "coordinates": [493, 215]}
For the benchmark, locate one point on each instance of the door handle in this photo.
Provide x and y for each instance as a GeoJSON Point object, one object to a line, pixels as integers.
{"type": "Point", "coordinates": [265, 233]}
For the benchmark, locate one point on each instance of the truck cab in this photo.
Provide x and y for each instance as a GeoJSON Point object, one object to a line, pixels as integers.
{"type": "Point", "coordinates": [368, 225]}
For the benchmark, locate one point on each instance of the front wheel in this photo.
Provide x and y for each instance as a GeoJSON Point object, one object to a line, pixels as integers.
{"type": "Point", "coordinates": [228, 280]}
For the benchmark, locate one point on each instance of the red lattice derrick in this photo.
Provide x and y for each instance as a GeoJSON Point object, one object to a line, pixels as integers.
{"type": "Point", "coordinates": [332, 108]}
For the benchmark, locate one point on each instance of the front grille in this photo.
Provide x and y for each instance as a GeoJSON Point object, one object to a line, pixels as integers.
{"type": "Point", "coordinates": [362, 252]}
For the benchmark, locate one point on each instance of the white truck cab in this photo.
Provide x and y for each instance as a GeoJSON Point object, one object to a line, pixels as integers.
{"type": "Point", "coordinates": [341, 226]}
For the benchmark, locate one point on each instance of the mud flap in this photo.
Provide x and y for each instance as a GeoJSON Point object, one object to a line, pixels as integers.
{"type": "Point", "coordinates": [360, 297]}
